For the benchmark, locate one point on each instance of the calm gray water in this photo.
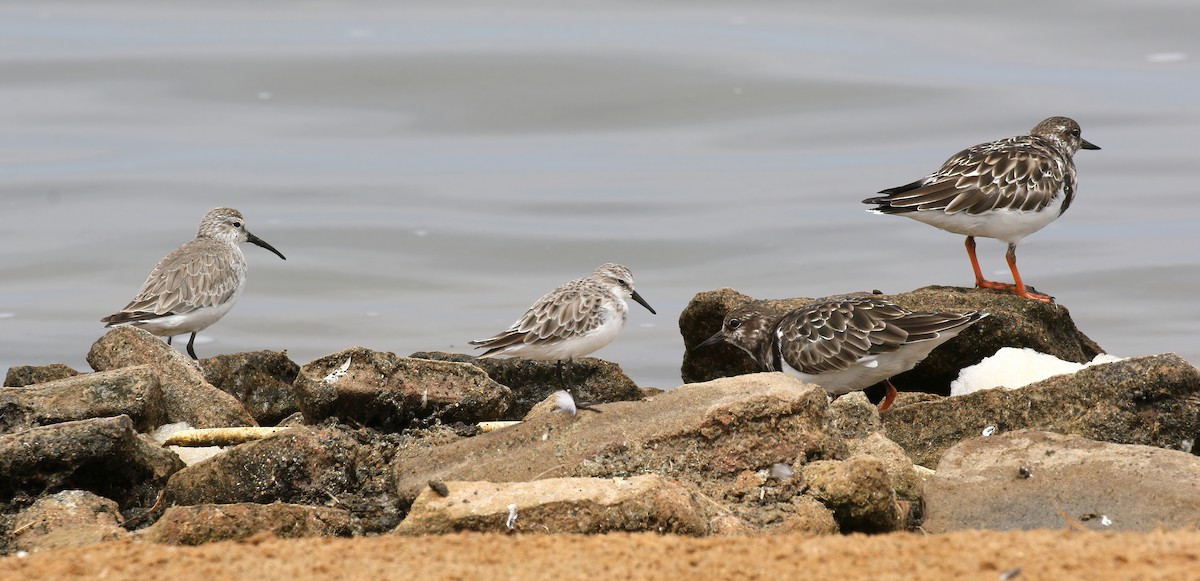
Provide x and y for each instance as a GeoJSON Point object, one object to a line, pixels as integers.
{"type": "Point", "coordinates": [430, 170]}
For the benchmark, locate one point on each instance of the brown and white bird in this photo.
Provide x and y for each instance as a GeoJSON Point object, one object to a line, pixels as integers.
{"type": "Point", "coordinates": [1006, 189]}
{"type": "Point", "coordinates": [196, 284]}
{"type": "Point", "coordinates": [842, 345]}
{"type": "Point", "coordinates": [573, 320]}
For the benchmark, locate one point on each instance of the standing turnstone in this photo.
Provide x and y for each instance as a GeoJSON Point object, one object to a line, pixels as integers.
{"type": "Point", "coordinates": [842, 345]}
{"type": "Point", "coordinates": [194, 286]}
{"type": "Point", "coordinates": [570, 321]}
{"type": "Point", "coordinates": [1006, 189]}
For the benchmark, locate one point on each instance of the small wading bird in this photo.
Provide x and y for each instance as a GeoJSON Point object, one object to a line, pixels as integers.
{"type": "Point", "coordinates": [195, 285]}
{"type": "Point", "coordinates": [842, 345]}
{"type": "Point", "coordinates": [571, 321]}
{"type": "Point", "coordinates": [1006, 189]}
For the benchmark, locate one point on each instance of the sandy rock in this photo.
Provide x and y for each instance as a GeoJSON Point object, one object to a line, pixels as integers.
{"type": "Point", "coordinates": [303, 465]}
{"type": "Point", "coordinates": [896, 462]}
{"type": "Point", "coordinates": [22, 375]}
{"type": "Point", "coordinates": [71, 518]}
{"type": "Point", "coordinates": [105, 456]}
{"type": "Point", "coordinates": [261, 381]}
{"type": "Point", "coordinates": [388, 392]}
{"type": "Point", "coordinates": [1014, 322]}
{"type": "Point", "coordinates": [593, 380]}
{"type": "Point", "coordinates": [858, 491]}
{"type": "Point", "coordinates": [132, 391]}
{"type": "Point", "coordinates": [187, 396]}
{"type": "Point", "coordinates": [207, 523]}
{"type": "Point", "coordinates": [1030, 479]}
{"type": "Point", "coordinates": [705, 434]}
{"type": "Point", "coordinates": [809, 516]}
{"type": "Point", "coordinates": [559, 505]}
{"type": "Point", "coordinates": [1145, 400]}
{"type": "Point", "coordinates": [854, 416]}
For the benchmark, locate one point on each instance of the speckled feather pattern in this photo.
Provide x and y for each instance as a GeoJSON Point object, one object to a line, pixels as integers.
{"type": "Point", "coordinates": [1026, 173]}
{"type": "Point", "coordinates": [857, 334]}
{"type": "Point", "coordinates": [204, 274]}
{"type": "Point", "coordinates": [572, 312]}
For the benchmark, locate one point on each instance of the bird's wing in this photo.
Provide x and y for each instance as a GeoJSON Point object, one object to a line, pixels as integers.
{"type": "Point", "coordinates": [1019, 173]}
{"type": "Point", "coordinates": [201, 273]}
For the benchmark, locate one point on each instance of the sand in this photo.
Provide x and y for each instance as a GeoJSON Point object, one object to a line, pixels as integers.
{"type": "Point", "coordinates": [1065, 554]}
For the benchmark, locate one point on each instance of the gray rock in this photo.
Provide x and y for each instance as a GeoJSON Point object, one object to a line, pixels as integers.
{"type": "Point", "coordinates": [105, 456]}
{"type": "Point", "coordinates": [704, 433]}
{"type": "Point", "coordinates": [22, 375]}
{"type": "Point", "coordinates": [1014, 322]}
{"type": "Point", "coordinates": [132, 391]}
{"type": "Point", "coordinates": [593, 380]}
{"type": "Point", "coordinates": [261, 381]}
{"type": "Point", "coordinates": [71, 518]}
{"type": "Point", "coordinates": [186, 395]}
{"type": "Point", "coordinates": [1030, 479]}
{"type": "Point", "coordinates": [303, 465]}
{"type": "Point", "coordinates": [390, 393]}
{"type": "Point", "coordinates": [559, 505]}
{"type": "Point", "coordinates": [208, 523]}
{"type": "Point", "coordinates": [858, 491]}
{"type": "Point", "coordinates": [1147, 400]}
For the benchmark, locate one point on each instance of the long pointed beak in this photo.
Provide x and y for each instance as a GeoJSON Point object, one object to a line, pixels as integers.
{"type": "Point", "coordinates": [260, 242]}
{"type": "Point", "coordinates": [643, 302]}
{"type": "Point", "coordinates": [719, 337]}
{"type": "Point", "coordinates": [1085, 144]}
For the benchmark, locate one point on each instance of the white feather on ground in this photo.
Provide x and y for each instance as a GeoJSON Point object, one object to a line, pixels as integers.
{"type": "Point", "coordinates": [1013, 368]}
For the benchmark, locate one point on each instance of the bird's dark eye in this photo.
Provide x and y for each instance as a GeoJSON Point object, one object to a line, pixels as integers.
{"type": "Point", "coordinates": [733, 324]}
{"type": "Point", "coordinates": [624, 283]}
{"type": "Point", "coordinates": [1076, 133]}
{"type": "Point", "coordinates": [237, 224]}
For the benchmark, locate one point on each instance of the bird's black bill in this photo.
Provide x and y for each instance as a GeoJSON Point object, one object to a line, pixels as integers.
{"type": "Point", "coordinates": [711, 340]}
{"type": "Point", "coordinates": [643, 302]}
{"type": "Point", "coordinates": [1085, 144]}
{"type": "Point", "coordinates": [260, 242]}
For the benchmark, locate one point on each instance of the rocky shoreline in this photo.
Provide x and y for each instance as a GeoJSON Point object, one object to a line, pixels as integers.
{"type": "Point", "coordinates": [383, 444]}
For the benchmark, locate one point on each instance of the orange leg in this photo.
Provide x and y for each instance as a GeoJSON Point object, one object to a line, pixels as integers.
{"type": "Point", "coordinates": [979, 280]}
{"type": "Point", "coordinates": [1011, 255]}
{"type": "Point", "coordinates": [888, 397]}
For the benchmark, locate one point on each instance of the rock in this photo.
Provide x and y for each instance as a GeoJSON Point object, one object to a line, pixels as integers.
{"type": "Point", "coordinates": [132, 391]}
{"type": "Point", "coordinates": [899, 468]}
{"type": "Point", "coordinates": [105, 456]}
{"type": "Point", "coordinates": [854, 416]}
{"type": "Point", "coordinates": [186, 395]}
{"type": "Point", "coordinates": [387, 392]}
{"type": "Point", "coordinates": [22, 375]}
{"type": "Point", "coordinates": [858, 491]}
{"type": "Point", "coordinates": [1145, 400]}
{"type": "Point", "coordinates": [303, 465]}
{"type": "Point", "coordinates": [207, 523]}
{"type": "Point", "coordinates": [593, 380]}
{"type": "Point", "coordinates": [1030, 479]}
{"type": "Point", "coordinates": [705, 433]}
{"type": "Point", "coordinates": [1014, 322]}
{"type": "Point", "coordinates": [559, 505]}
{"type": "Point", "coordinates": [71, 518]}
{"type": "Point", "coordinates": [809, 517]}
{"type": "Point", "coordinates": [261, 381]}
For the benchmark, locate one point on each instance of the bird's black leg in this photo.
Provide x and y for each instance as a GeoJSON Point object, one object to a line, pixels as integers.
{"type": "Point", "coordinates": [192, 351]}
{"type": "Point", "coordinates": [169, 337]}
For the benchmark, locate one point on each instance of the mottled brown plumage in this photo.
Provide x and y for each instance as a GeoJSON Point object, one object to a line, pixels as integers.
{"type": "Point", "coordinates": [1005, 189]}
{"type": "Point", "coordinates": [842, 345]}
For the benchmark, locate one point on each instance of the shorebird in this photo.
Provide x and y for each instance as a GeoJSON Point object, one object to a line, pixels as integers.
{"type": "Point", "coordinates": [196, 284]}
{"type": "Point", "coordinates": [573, 320]}
{"type": "Point", "coordinates": [842, 345]}
{"type": "Point", "coordinates": [1006, 189]}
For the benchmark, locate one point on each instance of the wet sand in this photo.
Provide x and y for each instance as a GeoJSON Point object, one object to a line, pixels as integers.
{"type": "Point", "coordinates": [1063, 554]}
